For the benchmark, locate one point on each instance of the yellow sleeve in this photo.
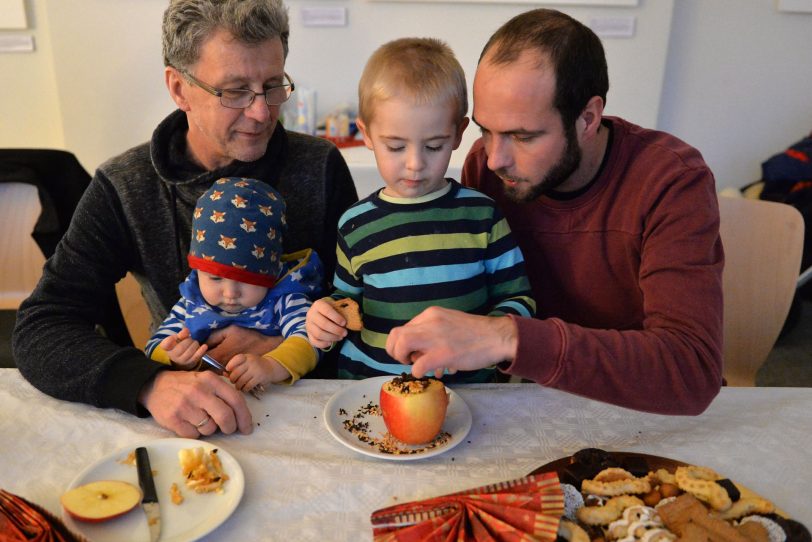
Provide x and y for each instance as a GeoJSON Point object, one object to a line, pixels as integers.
{"type": "Point", "coordinates": [160, 355]}
{"type": "Point", "coordinates": [296, 355]}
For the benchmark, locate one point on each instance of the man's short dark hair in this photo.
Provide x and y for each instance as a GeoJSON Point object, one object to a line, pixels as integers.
{"type": "Point", "coordinates": [576, 54]}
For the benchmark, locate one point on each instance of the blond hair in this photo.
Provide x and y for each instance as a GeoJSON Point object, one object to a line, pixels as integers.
{"type": "Point", "coordinates": [423, 69]}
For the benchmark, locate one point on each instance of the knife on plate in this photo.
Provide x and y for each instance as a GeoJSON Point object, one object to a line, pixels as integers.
{"type": "Point", "coordinates": [149, 502]}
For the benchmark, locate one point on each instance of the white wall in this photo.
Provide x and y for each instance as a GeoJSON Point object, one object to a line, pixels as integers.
{"type": "Point", "coordinates": [738, 84]}
{"type": "Point", "coordinates": [729, 76]}
{"type": "Point", "coordinates": [109, 79]}
{"type": "Point", "coordinates": [29, 106]}
{"type": "Point", "coordinates": [331, 59]}
{"type": "Point", "coordinates": [107, 60]}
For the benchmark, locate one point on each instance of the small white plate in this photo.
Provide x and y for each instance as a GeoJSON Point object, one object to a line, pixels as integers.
{"type": "Point", "coordinates": [196, 516]}
{"type": "Point", "coordinates": [354, 397]}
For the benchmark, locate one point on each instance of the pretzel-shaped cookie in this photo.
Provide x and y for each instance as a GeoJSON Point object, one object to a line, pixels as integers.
{"type": "Point", "coordinates": [615, 481]}
{"type": "Point", "coordinates": [747, 506]}
{"type": "Point", "coordinates": [609, 512]}
{"type": "Point", "coordinates": [701, 483]}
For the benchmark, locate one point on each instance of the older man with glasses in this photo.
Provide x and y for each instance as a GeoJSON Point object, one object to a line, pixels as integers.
{"type": "Point", "coordinates": [136, 216]}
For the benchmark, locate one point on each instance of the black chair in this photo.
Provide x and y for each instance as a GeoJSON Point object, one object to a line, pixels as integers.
{"type": "Point", "coordinates": [60, 180]}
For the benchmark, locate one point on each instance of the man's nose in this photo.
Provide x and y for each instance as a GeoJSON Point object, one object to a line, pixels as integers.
{"type": "Point", "coordinates": [259, 110]}
{"type": "Point", "coordinates": [499, 153]}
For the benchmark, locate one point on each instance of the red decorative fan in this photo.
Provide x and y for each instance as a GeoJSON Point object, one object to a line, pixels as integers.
{"type": "Point", "coordinates": [525, 509]}
{"type": "Point", "coordinates": [21, 521]}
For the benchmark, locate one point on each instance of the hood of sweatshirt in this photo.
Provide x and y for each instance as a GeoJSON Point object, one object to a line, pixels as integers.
{"type": "Point", "coordinates": [185, 180]}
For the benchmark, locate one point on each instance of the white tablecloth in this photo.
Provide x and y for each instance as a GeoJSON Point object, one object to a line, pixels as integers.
{"type": "Point", "coordinates": [301, 484]}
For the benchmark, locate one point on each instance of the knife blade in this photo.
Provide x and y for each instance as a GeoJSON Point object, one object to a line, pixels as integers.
{"type": "Point", "coordinates": [149, 502]}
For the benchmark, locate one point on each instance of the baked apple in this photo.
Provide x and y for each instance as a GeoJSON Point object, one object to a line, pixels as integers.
{"type": "Point", "coordinates": [413, 408]}
{"type": "Point", "coordinates": [100, 501]}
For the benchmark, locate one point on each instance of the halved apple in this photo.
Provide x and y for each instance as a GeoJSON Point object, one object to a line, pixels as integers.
{"type": "Point", "coordinates": [413, 408]}
{"type": "Point", "coordinates": [99, 501]}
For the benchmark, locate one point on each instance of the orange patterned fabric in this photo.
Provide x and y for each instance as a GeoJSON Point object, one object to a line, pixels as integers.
{"type": "Point", "coordinates": [526, 509]}
{"type": "Point", "coordinates": [22, 521]}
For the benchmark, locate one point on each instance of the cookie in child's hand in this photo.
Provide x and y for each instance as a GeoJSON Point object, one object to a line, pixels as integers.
{"type": "Point", "coordinates": [349, 309]}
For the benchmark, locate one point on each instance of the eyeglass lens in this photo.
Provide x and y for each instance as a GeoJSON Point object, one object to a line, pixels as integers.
{"type": "Point", "coordinates": [240, 98]}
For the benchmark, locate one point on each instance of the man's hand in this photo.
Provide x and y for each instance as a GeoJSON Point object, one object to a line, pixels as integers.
{"type": "Point", "coordinates": [324, 324]}
{"type": "Point", "coordinates": [439, 338]}
{"type": "Point", "coordinates": [226, 343]}
{"type": "Point", "coordinates": [182, 401]}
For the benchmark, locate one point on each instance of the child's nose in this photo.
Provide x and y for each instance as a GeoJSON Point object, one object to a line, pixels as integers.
{"type": "Point", "coordinates": [415, 161]}
{"type": "Point", "coordinates": [231, 290]}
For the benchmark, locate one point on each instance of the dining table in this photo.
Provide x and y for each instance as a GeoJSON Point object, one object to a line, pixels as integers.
{"type": "Point", "coordinates": [301, 483]}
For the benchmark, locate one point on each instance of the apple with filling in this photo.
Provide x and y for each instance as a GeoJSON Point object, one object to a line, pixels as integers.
{"type": "Point", "coordinates": [100, 501]}
{"type": "Point", "coordinates": [413, 409]}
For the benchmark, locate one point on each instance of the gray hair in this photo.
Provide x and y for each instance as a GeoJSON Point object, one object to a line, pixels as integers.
{"type": "Point", "coordinates": [189, 23]}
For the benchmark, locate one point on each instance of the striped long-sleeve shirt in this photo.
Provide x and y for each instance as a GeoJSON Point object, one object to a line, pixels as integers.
{"type": "Point", "coordinates": [397, 257]}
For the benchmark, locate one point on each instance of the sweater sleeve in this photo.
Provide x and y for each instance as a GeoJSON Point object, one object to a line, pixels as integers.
{"type": "Point", "coordinates": [172, 325]}
{"type": "Point", "coordinates": [295, 353]}
{"type": "Point", "coordinates": [341, 194]}
{"type": "Point", "coordinates": [55, 344]}
{"type": "Point", "coordinates": [672, 362]}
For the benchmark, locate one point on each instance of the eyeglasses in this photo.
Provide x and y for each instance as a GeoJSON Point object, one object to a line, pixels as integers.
{"type": "Point", "coordinates": [240, 98]}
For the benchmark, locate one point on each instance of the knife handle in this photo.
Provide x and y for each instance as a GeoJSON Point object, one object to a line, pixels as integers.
{"type": "Point", "coordinates": [145, 475]}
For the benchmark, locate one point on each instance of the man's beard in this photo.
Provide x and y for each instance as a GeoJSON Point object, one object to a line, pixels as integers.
{"type": "Point", "coordinates": [524, 191]}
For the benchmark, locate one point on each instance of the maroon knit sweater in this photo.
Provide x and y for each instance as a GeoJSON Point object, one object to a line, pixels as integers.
{"type": "Point", "coordinates": [627, 277]}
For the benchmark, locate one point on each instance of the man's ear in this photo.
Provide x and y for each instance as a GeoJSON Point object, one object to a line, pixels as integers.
{"type": "Point", "coordinates": [177, 87]}
{"type": "Point", "coordinates": [590, 120]}
{"type": "Point", "coordinates": [362, 127]}
{"type": "Point", "coordinates": [460, 130]}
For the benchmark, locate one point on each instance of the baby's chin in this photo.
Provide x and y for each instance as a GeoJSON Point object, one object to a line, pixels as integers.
{"type": "Point", "coordinates": [231, 309]}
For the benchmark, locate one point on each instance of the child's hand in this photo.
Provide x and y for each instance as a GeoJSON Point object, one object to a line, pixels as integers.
{"type": "Point", "coordinates": [184, 351]}
{"type": "Point", "coordinates": [249, 371]}
{"type": "Point", "coordinates": [324, 324]}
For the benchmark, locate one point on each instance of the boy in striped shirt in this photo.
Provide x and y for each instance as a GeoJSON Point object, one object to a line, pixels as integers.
{"type": "Point", "coordinates": [423, 240]}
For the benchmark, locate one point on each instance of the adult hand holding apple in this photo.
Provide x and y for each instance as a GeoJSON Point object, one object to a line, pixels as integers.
{"type": "Point", "coordinates": [413, 409]}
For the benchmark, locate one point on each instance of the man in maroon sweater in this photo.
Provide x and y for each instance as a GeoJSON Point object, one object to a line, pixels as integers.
{"type": "Point", "coordinates": [619, 226]}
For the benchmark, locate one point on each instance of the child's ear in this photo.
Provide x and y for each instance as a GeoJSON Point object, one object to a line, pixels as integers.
{"type": "Point", "coordinates": [460, 130]}
{"type": "Point", "coordinates": [362, 127]}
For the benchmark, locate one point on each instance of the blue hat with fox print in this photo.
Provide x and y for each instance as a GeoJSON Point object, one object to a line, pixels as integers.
{"type": "Point", "coordinates": [237, 231]}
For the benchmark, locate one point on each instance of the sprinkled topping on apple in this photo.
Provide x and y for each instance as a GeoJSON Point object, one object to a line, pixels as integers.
{"type": "Point", "coordinates": [413, 409]}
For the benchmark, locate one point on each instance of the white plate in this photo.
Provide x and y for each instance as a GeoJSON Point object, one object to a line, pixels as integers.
{"type": "Point", "coordinates": [352, 398]}
{"type": "Point", "coordinates": [198, 515]}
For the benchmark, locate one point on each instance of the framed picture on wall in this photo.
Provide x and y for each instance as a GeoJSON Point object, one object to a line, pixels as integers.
{"type": "Point", "coordinates": [12, 15]}
{"type": "Point", "coordinates": [598, 3]}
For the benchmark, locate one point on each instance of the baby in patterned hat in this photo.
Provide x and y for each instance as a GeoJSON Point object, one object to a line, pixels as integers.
{"type": "Point", "coordinates": [241, 277]}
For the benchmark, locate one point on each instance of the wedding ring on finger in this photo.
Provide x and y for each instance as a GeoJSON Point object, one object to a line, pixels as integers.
{"type": "Point", "coordinates": [203, 422]}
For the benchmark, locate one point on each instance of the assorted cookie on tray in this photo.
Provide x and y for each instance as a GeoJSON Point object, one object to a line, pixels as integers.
{"type": "Point", "coordinates": [629, 497]}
